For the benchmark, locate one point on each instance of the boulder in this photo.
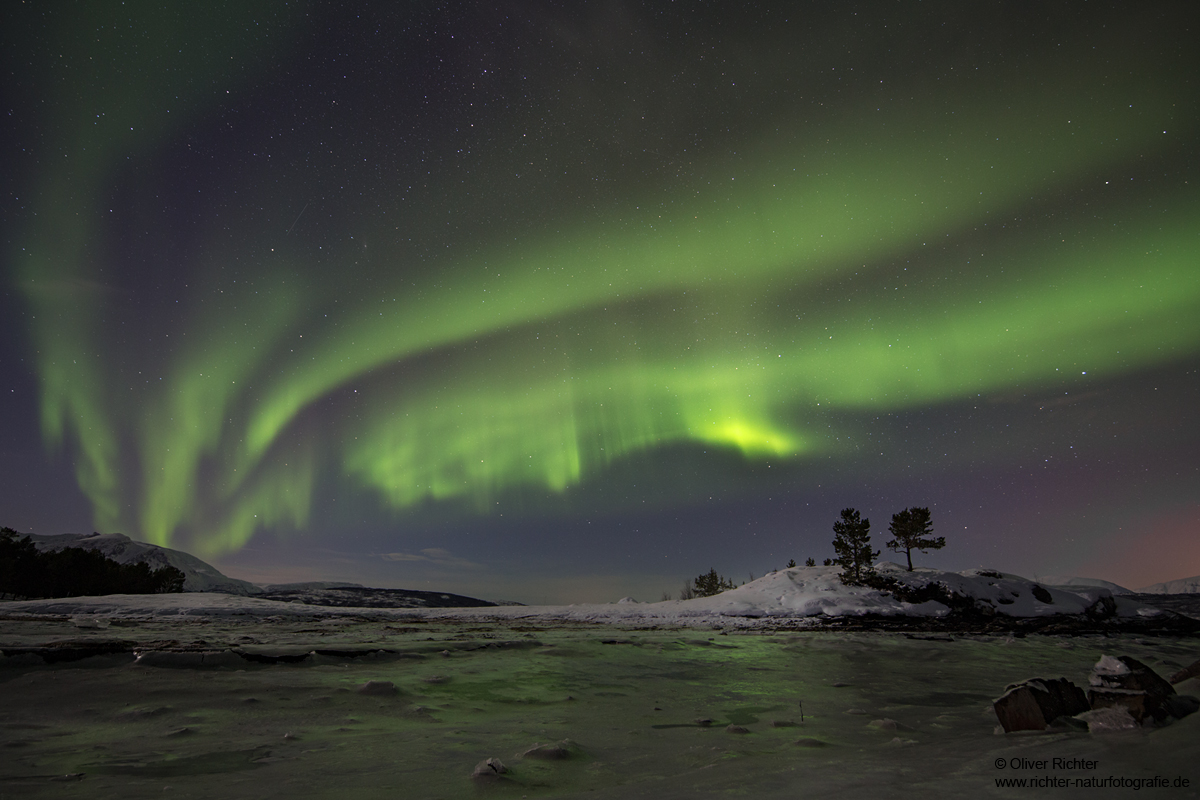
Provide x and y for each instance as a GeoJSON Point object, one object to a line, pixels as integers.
{"type": "Point", "coordinates": [1033, 704]}
{"type": "Point", "coordinates": [489, 770]}
{"type": "Point", "coordinates": [1126, 682]}
{"type": "Point", "coordinates": [1181, 705]}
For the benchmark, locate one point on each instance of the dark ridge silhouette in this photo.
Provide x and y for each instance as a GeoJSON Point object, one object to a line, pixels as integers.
{"type": "Point", "coordinates": [27, 573]}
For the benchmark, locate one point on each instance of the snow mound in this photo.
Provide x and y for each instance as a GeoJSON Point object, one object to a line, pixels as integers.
{"type": "Point", "coordinates": [1179, 586]}
{"type": "Point", "coordinates": [198, 575]}
{"type": "Point", "coordinates": [819, 591]}
{"type": "Point", "coordinates": [812, 593]}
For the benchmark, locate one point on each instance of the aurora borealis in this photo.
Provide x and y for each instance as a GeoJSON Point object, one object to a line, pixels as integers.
{"type": "Point", "coordinates": [613, 292]}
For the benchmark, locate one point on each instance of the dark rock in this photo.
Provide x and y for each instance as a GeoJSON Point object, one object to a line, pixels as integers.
{"type": "Point", "coordinates": [704, 722]}
{"type": "Point", "coordinates": [489, 770]}
{"type": "Point", "coordinates": [731, 728]}
{"type": "Point", "coordinates": [1033, 704]}
{"type": "Point", "coordinates": [1105, 607]}
{"type": "Point", "coordinates": [1125, 681]}
{"type": "Point", "coordinates": [1041, 595]}
{"type": "Point", "coordinates": [1180, 705]}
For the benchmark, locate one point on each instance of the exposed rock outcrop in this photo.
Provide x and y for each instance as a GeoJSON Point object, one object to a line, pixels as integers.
{"type": "Point", "coordinates": [1123, 681]}
{"type": "Point", "coordinates": [490, 770]}
{"type": "Point", "coordinates": [1034, 704]}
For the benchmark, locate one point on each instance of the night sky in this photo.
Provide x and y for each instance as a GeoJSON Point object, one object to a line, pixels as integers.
{"type": "Point", "coordinates": [566, 301]}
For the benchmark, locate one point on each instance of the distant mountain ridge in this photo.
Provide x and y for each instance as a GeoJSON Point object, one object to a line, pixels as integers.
{"type": "Point", "coordinates": [199, 576]}
{"type": "Point", "coordinates": [365, 597]}
{"type": "Point", "coordinates": [1065, 580]}
{"type": "Point", "coordinates": [1177, 586]}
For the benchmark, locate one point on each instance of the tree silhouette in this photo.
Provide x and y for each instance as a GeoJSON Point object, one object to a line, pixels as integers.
{"type": "Point", "coordinates": [711, 584]}
{"type": "Point", "coordinates": [852, 543]}
{"type": "Point", "coordinates": [912, 527]}
{"type": "Point", "coordinates": [75, 571]}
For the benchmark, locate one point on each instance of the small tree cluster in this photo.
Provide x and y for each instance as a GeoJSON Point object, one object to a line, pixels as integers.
{"type": "Point", "coordinates": [74, 572]}
{"type": "Point", "coordinates": [711, 584]}
{"type": "Point", "coordinates": [911, 529]}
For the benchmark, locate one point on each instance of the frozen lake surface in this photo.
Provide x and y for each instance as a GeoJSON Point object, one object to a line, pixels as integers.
{"type": "Point", "coordinates": [250, 704]}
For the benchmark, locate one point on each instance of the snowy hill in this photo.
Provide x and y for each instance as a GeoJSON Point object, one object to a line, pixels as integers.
{"type": "Point", "coordinates": [812, 591]}
{"type": "Point", "coordinates": [1069, 581]}
{"type": "Point", "coordinates": [815, 594]}
{"type": "Point", "coordinates": [1179, 586]}
{"type": "Point", "coordinates": [199, 576]}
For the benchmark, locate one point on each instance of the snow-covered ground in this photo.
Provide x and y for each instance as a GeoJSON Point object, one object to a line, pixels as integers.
{"type": "Point", "coordinates": [319, 703]}
{"type": "Point", "coordinates": [206, 694]}
{"type": "Point", "coordinates": [801, 592]}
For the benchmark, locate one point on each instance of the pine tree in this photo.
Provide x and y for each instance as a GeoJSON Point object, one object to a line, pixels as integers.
{"type": "Point", "coordinates": [810, 562]}
{"type": "Point", "coordinates": [852, 543]}
{"type": "Point", "coordinates": [912, 527]}
{"type": "Point", "coordinates": [711, 584]}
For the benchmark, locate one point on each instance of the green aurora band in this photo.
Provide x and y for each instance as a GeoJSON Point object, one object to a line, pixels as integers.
{"type": "Point", "coordinates": [734, 314]}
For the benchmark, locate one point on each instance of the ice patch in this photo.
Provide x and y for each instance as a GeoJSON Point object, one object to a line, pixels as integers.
{"type": "Point", "coordinates": [1107, 720]}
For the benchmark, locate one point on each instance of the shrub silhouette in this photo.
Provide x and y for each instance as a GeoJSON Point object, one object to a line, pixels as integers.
{"type": "Point", "coordinates": [711, 584]}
